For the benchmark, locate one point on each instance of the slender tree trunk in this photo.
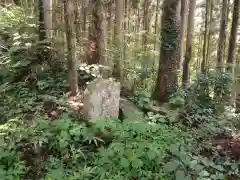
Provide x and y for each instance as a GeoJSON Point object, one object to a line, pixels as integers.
{"type": "Point", "coordinates": [145, 57]}
{"type": "Point", "coordinates": [104, 38]}
{"type": "Point", "coordinates": [222, 35]}
{"type": "Point", "coordinates": [145, 25]}
{"type": "Point", "coordinates": [209, 32]}
{"type": "Point", "coordinates": [77, 21]}
{"type": "Point", "coordinates": [47, 6]}
{"type": "Point", "coordinates": [96, 51]}
{"type": "Point", "coordinates": [70, 37]}
{"type": "Point", "coordinates": [188, 54]}
{"type": "Point", "coordinates": [42, 54]}
{"type": "Point", "coordinates": [199, 53]}
{"type": "Point", "coordinates": [156, 36]}
{"type": "Point", "coordinates": [221, 47]}
{"type": "Point", "coordinates": [84, 14]}
{"type": "Point", "coordinates": [109, 20]}
{"type": "Point", "coordinates": [233, 36]}
{"type": "Point", "coordinates": [119, 15]}
{"type": "Point", "coordinates": [237, 79]}
{"type": "Point", "coordinates": [182, 31]}
{"type": "Point", "coordinates": [203, 64]}
{"type": "Point", "coordinates": [235, 75]}
{"type": "Point", "coordinates": [156, 23]}
{"type": "Point", "coordinates": [42, 31]}
{"type": "Point", "coordinates": [125, 28]}
{"type": "Point", "coordinates": [167, 81]}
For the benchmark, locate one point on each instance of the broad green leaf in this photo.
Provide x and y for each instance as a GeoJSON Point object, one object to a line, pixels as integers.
{"type": "Point", "coordinates": [198, 167]}
{"type": "Point", "coordinates": [124, 162]}
{"type": "Point", "coordinates": [193, 163]}
{"type": "Point", "coordinates": [188, 177]}
{"type": "Point", "coordinates": [137, 163]}
{"type": "Point", "coordinates": [2, 174]}
{"type": "Point", "coordinates": [218, 167]}
{"type": "Point", "coordinates": [204, 173]}
{"type": "Point", "coordinates": [180, 175]}
{"type": "Point", "coordinates": [173, 149]}
{"type": "Point", "coordinates": [151, 155]}
{"type": "Point", "coordinates": [171, 166]}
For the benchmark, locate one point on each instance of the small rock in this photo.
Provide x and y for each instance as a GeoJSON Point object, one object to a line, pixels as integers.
{"type": "Point", "coordinates": [129, 111]}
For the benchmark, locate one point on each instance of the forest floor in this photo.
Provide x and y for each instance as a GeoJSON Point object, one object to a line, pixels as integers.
{"type": "Point", "coordinates": [206, 151]}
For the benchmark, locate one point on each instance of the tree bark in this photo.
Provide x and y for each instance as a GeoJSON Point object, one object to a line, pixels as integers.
{"type": "Point", "coordinates": [222, 35]}
{"type": "Point", "coordinates": [233, 36]}
{"type": "Point", "coordinates": [71, 43]}
{"type": "Point", "coordinates": [77, 21]}
{"type": "Point", "coordinates": [156, 23]}
{"type": "Point", "coordinates": [209, 32]}
{"type": "Point", "coordinates": [236, 93]}
{"type": "Point", "coordinates": [182, 30]}
{"type": "Point", "coordinates": [125, 28]}
{"type": "Point", "coordinates": [203, 64]}
{"type": "Point", "coordinates": [188, 54]}
{"type": "Point", "coordinates": [119, 15]}
{"type": "Point", "coordinates": [96, 50]}
{"type": "Point", "coordinates": [47, 6]}
{"type": "Point", "coordinates": [84, 14]}
{"type": "Point", "coordinates": [109, 19]}
{"type": "Point", "coordinates": [167, 81]}
{"type": "Point", "coordinates": [42, 35]}
{"type": "Point", "coordinates": [145, 24]}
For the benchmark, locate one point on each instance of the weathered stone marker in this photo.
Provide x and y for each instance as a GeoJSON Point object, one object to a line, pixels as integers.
{"type": "Point", "coordinates": [101, 99]}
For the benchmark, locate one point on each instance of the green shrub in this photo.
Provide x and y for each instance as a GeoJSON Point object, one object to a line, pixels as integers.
{"type": "Point", "coordinates": [73, 150]}
{"type": "Point", "coordinates": [137, 150]}
{"type": "Point", "coordinates": [205, 98]}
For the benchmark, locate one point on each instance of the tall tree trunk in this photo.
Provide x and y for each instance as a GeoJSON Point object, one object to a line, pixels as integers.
{"type": "Point", "coordinates": [156, 23]}
{"type": "Point", "coordinates": [145, 57]}
{"type": "Point", "coordinates": [42, 31]}
{"type": "Point", "coordinates": [70, 37]}
{"type": "Point", "coordinates": [109, 20]}
{"type": "Point", "coordinates": [203, 64]}
{"type": "Point", "coordinates": [125, 28]}
{"type": "Point", "coordinates": [236, 92]}
{"type": "Point", "coordinates": [182, 30]}
{"type": "Point", "coordinates": [156, 36]}
{"type": "Point", "coordinates": [42, 54]}
{"type": "Point", "coordinates": [222, 35]}
{"type": "Point", "coordinates": [167, 80]}
{"type": "Point", "coordinates": [199, 55]}
{"type": "Point", "coordinates": [47, 6]}
{"type": "Point", "coordinates": [104, 38]}
{"type": "Point", "coordinates": [233, 36]}
{"type": "Point", "coordinates": [119, 15]}
{"type": "Point", "coordinates": [85, 4]}
{"type": "Point", "coordinates": [188, 54]}
{"type": "Point", "coordinates": [96, 51]}
{"type": "Point", "coordinates": [209, 32]}
{"type": "Point", "coordinates": [77, 21]}
{"type": "Point", "coordinates": [145, 25]}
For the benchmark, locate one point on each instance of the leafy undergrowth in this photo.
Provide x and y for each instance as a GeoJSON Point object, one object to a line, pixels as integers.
{"type": "Point", "coordinates": [18, 99]}
{"type": "Point", "coordinates": [49, 147]}
{"type": "Point", "coordinates": [64, 149]}
{"type": "Point", "coordinates": [68, 149]}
